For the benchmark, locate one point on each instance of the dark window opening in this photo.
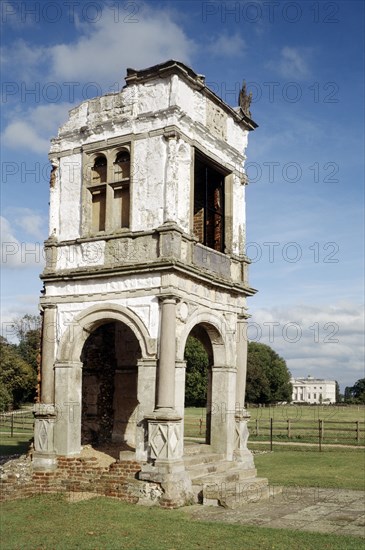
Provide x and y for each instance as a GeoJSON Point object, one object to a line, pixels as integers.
{"type": "Point", "coordinates": [122, 165]}
{"type": "Point", "coordinates": [100, 169]}
{"type": "Point", "coordinates": [98, 209]}
{"type": "Point", "coordinates": [208, 205]}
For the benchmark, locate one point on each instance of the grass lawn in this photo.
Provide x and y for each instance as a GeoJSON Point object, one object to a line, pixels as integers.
{"type": "Point", "coordinates": [293, 423]}
{"type": "Point", "coordinates": [49, 522]}
{"type": "Point", "coordinates": [332, 468]}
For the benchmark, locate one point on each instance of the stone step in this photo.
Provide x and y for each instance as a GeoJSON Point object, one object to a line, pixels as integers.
{"type": "Point", "coordinates": [235, 494]}
{"type": "Point", "coordinates": [209, 468]}
{"type": "Point", "coordinates": [231, 474]}
{"type": "Point", "coordinates": [196, 448]}
{"type": "Point", "coordinates": [251, 494]}
{"type": "Point", "coordinates": [204, 458]}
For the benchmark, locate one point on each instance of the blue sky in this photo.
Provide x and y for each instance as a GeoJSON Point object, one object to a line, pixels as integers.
{"type": "Point", "coordinates": [303, 62]}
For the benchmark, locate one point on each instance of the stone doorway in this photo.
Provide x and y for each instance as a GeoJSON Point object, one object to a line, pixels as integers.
{"type": "Point", "coordinates": [109, 387]}
{"type": "Point", "coordinates": [200, 341]}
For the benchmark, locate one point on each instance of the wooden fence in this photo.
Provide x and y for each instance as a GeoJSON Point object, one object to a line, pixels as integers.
{"type": "Point", "coordinates": [17, 422]}
{"type": "Point", "coordinates": [350, 432]}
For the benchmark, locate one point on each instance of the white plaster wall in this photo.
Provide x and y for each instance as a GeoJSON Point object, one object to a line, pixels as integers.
{"type": "Point", "coordinates": [183, 185]}
{"type": "Point", "coordinates": [185, 99]}
{"type": "Point", "coordinates": [54, 202]}
{"type": "Point", "coordinates": [148, 183]}
{"type": "Point", "coordinates": [70, 197]}
{"type": "Point", "coordinates": [239, 217]}
{"type": "Point", "coordinates": [81, 255]}
{"type": "Point", "coordinates": [103, 286]}
{"type": "Point", "coordinates": [153, 95]}
{"type": "Point", "coordinates": [146, 308]}
{"type": "Point", "coordinates": [129, 111]}
{"type": "Point", "coordinates": [236, 136]}
{"type": "Point", "coordinates": [200, 107]}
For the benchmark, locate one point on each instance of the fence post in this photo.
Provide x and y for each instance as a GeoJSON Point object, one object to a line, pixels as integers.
{"type": "Point", "coordinates": [289, 433]}
{"type": "Point", "coordinates": [271, 430]}
{"type": "Point", "coordinates": [257, 426]}
{"type": "Point", "coordinates": [357, 432]}
{"type": "Point", "coordinates": [320, 434]}
{"type": "Point", "coordinates": [12, 425]}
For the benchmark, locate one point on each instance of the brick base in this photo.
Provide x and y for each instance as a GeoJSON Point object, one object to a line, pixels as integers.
{"type": "Point", "coordinates": [84, 475]}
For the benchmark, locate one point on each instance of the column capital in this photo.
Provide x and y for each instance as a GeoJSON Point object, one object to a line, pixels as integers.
{"type": "Point", "coordinates": [168, 298]}
{"type": "Point", "coordinates": [243, 317]}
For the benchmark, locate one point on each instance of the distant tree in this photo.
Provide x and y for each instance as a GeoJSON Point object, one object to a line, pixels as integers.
{"type": "Point", "coordinates": [196, 381]}
{"type": "Point", "coordinates": [358, 391]}
{"type": "Point", "coordinates": [17, 378]}
{"type": "Point", "coordinates": [338, 394]}
{"type": "Point", "coordinates": [28, 330]}
{"type": "Point", "coordinates": [268, 377]}
{"type": "Point", "coordinates": [257, 384]}
{"type": "Point", "coordinates": [348, 397]}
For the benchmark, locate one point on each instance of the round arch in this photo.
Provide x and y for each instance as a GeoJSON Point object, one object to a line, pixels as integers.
{"type": "Point", "coordinates": [87, 321]}
{"type": "Point", "coordinates": [213, 327]}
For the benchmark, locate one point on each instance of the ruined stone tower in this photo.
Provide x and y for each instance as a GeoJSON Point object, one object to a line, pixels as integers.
{"type": "Point", "coordinates": [146, 247]}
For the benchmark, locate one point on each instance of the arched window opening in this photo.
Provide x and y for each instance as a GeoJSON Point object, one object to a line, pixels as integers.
{"type": "Point", "coordinates": [121, 189]}
{"type": "Point", "coordinates": [109, 194]}
{"type": "Point", "coordinates": [122, 165]}
{"type": "Point", "coordinates": [99, 170]}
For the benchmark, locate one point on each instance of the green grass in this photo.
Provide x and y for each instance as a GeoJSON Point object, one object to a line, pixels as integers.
{"type": "Point", "coordinates": [339, 423]}
{"type": "Point", "coordinates": [106, 524]}
{"type": "Point", "coordinates": [334, 468]}
{"type": "Point", "coordinates": [19, 444]}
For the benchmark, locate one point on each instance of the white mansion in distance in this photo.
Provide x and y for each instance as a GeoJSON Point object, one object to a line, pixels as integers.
{"type": "Point", "coordinates": [313, 390]}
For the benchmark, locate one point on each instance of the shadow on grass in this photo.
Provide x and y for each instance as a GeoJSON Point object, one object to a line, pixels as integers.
{"type": "Point", "coordinates": [14, 445]}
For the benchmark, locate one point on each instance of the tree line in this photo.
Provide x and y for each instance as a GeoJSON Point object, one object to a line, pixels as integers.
{"type": "Point", "coordinates": [19, 363]}
{"type": "Point", "coordinates": [268, 377]}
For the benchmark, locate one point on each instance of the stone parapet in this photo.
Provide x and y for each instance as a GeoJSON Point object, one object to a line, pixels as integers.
{"type": "Point", "coordinates": [164, 247]}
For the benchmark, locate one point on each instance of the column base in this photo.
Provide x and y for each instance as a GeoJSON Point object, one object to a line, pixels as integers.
{"type": "Point", "coordinates": [174, 480]}
{"type": "Point", "coordinates": [241, 453]}
{"type": "Point", "coordinates": [165, 458]}
{"type": "Point", "coordinates": [44, 456]}
{"type": "Point", "coordinates": [44, 461]}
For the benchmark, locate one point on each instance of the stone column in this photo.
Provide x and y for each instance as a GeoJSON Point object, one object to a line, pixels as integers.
{"type": "Point", "coordinates": [165, 426]}
{"type": "Point", "coordinates": [48, 353]}
{"type": "Point", "coordinates": [223, 413]}
{"type": "Point", "coordinates": [67, 430]}
{"type": "Point", "coordinates": [241, 362]}
{"type": "Point", "coordinates": [241, 452]}
{"type": "Point", "coordinates": [45, 416]}
{"type": "Point", "coordinates": [166, 373]}
{"type": "Point", "coordinates": [146, 396]}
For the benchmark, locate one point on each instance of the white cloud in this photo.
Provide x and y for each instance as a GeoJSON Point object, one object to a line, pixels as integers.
{"type": "Point", "coordinates": [19, 134]}
{"type": "Point", "coordinates": [326, 341]}
{"type": "Point", "coordinates": [31, 222]}
{"type": "Point", "coordinates": [100, 55]}
{"type": "Point", "coordinates": [32, 129]}
{"type": "Point", "coordinates": [228, 45]}
{"type": "Point", "coordinates": [26, 60]}
{"type": "Point", "coordinates": [16, 253]}
{"type": "Point", "coordinates": [107, 47]}
{"type": "Point", "coordinates": [293, 63]}
{"type": "Point", "coordinates": [14, 307]}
